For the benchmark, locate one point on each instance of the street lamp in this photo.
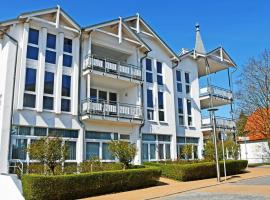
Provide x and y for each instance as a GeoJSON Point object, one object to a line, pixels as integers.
{"type": "Point", "coordinates": [213, 123]}
{"type": "Point", "coordinates": [223, 153]}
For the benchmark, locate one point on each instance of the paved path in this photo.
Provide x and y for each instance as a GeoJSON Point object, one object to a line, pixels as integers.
{"type": "Point", "coordinates": [240, 187]}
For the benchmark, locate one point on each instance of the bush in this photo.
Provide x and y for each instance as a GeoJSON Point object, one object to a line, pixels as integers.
{"type": "Point", "coordinates": [196, 171]}
{"type": "Point", "coordinates": [76, 186]}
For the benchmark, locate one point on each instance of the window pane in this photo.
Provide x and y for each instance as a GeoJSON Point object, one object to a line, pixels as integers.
{"type": "Point", "coordinates": [33, 36]}
{"type": "Point", "coordinates": [51, 41]}
{"type": "Point", "coordinates": [163, 138]}
{"type": "Point", "coordinates": [124, 137]}
{"type": "Point", "coordinates": [67, 45]}
{"type": "Point", "coordinates": [148, 137]}
{"type": "Point", "coordinates": [181, 120]}
{"type": "Point", "coordinates": [159, 67]}
{"type": "Point", "coordinates": [187, 89]}
{"type": "Point", "coordinates": [48, 103]}
{"type": "Point", "coordinates": [189, 107]}
{"type": "Point", "coordinates": [19, 149]}
{"type": "Point", "coordinates": [145, 151]}
{"type": "Point", "coordinates": [149, 77]}
{"type": "Point", "coordinates": [65, 105]}
{"type": "Point", "coordinates": [93, 94]}
{"type": "Point", "coordinates": [48, 82]}
{"type": "Point", "coordinates": [178, 76]}
{"type": "Point", "coordinates": [92, 150]}
{"type": "Point", "coordinates": [168, 151]}
{"type": "Point", "coordinates": [67, 60]}
{"type": "Point", "coordinates": [40, 131]}
{"type": "Point", "coordinates": [63, 133]}
{"type": "Point", "coordinates": [189, 121]}
{"type": "Point", "coordinates": [71, 146]}
{"type": "Point", "coordinates": [115, 136]}
{"type": "Point", "coordinates": [180, 105]}
{"type": "Point", "coordinates": [181, 148]}
{"type": "Point", "coordinates": [160, 100]}
{"type": "Point", "coordinates": [159, 80]}
{"type": "Point", "coordinates": [32, 52]}
{"type": "Point", "coordinates": [187, 77]}
{"type": "Point", "coordinates": [106, 154]}
{"type": "Point", "coordinates": [29, 100]}
{"type": "Point", "coordinates": [102, 95]}
{"type": "Point", "coordinates": [24, 130]}
{"type": "Point", "coordinates": [179, 87]}
{"type": "Point", "coordinates": [150, 114]}
{"type": "Point", "coordinates": [148, 64]}
{"type": "Point", "coordinates": [50, 57]}
{"type": "Point", "coordinates": [195, 152]}
{"type": "Point", "coordinates": [152, 151]}
{"type": "Point", "coordinates": [66, 85]}
{"type": "Point", "coordinates": [161, 116]}
{"type": "Point", "coordinates": [97, 135]}
{"type": "Point", "coordinates": [160, 151]}
{"type": "Point", "coordinates": [30, 80]}
{"type": "Point", "coordinates": [150, 98]}
{"type": "Point", "coordinates": [181, 140]}
{"type": "Point", "coordinates": [112, 97]}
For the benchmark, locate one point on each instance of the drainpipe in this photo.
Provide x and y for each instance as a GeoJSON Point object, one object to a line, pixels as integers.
{"type": "Point", "coordinates": [13, 88]}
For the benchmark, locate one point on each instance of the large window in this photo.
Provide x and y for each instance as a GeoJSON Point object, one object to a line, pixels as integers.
{"type": "Point", "coordinates": [71, 145]}
{"type": "Point", "coordinates": [19, 149]}
{"type": "Point", "coordinates": [65, 101]}
{"type": "Point", "coordinates": [29, 99]}
{"type": "Point", "coordinates": [48, 91]}
{"type": "Point", "coordinates": [187, 80]}
{"type": "Point", "coordinates": [149, 72]}
{"type": "Point", "coordinates": [180, 111]}
{"type": "Point", "coordinates": [50, 49]}
{"type": "Point", "coordinates": [178, 81]}
{"type": "Point", "coordinates": [161, 114]}
{"type": "Point", "coordinates": [67, 57]}
{"type": "Point", "coordinates": [32, 47]}
{"type": "Point", "coordinates": [189, 112]}
{"type": "Point", "coordinates": [181, 141]}
{"type": "Point", "coordinates": [150, 105]}
{"type": "Point", "coordinates": [159, 73]}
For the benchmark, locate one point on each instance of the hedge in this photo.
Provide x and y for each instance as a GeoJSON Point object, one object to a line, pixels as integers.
{"type": "Point", "coordinates": [197, 171]}
{"type": "Point", "coordinates": [74, 186]}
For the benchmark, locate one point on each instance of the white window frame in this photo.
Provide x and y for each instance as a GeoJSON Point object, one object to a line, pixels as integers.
{"type": "Point", "coordinates": [187, 84]}
{"type": "Point", "coordinates": [180, 114]}
{"type": "Point", "coordinates": [149, 71]}
{"type": "Point", "coordinates": [191, 114]}
{"type": "Point", "coordinates": [179, 82]}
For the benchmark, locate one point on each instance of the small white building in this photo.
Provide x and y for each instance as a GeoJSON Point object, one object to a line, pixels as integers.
{"type": "Point", "coordinates": [109, 81]}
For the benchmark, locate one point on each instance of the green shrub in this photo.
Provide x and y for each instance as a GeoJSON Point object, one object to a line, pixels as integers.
{"type": "Point", "coordinates": [196, 171]}
{"type": "Point", "coordinates": [76, 186]}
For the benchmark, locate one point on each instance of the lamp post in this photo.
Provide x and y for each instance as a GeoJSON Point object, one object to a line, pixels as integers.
{"type": "Point", "coordinates": [213, 123]}
{"type": "Point", "coordinates": [223, 153]}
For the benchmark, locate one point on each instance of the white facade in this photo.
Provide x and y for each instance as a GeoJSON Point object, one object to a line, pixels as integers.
{"type": "Point", "coordinates": [114, 80]}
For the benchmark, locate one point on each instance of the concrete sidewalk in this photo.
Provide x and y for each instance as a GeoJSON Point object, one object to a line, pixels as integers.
{"type": "Point", "coordinates": [174, 187]}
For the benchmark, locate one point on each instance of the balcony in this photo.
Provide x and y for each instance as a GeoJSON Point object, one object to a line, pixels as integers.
{"type": "Point", "coordinates": [111, 111]}
{"type": "Point", "coordinates": [220, 96]}
{"type": "Point", "coordinates": [221, 123]}
{"type": "Point", "coordinates": [112, 68]}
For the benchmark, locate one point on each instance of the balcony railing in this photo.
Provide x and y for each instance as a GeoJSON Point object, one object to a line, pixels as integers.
{"type": "Point", "coordinates": [216, 92]}
{"type": "Point", "coordinates": [221, 122]}
{"type": "Point", "coordinates": [111, 109]}
{"type": "Point", "coordinates": [111, 66]}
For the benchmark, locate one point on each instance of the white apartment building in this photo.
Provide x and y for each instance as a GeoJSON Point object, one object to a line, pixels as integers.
{"type": "Point", "coordinates": [109, 81]}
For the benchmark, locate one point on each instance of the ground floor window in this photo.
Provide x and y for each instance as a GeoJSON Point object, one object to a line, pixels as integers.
{"type": "Point", "coordinates": [156, 147]}
{"type": "Point", "coordinates": [23, 136]}
{"type": "Point", "coordinates": [182, 141]}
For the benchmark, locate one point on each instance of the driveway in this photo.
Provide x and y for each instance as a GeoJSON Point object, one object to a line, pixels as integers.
{"type": "Point", "coordinates": [252, 185]}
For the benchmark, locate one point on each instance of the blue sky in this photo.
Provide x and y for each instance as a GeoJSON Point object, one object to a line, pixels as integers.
{"type": "Point", "coordinates": [241, 27]}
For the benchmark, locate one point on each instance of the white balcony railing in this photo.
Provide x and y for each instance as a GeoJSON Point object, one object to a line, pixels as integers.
{"type": "Point", "coordinates": [112, 66]}
{"type": "Point", "coordinates": [221, 122]}
{"type": "Point", "coordinates": [216, 92]}
{"type": "Point", "coordinates": [111, 109]}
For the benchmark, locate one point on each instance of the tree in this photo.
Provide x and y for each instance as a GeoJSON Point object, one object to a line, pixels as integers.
{"type": "Point", "coordinates": [254, 93]}
{"type": "Point", "coordinates": [241, 123]}
{"type": "Point", "coordinates": [187, 151]}
{"type": "Point", "coordinates": [50, 151]}
{"type": "Point", "coordinates": [123, 151]}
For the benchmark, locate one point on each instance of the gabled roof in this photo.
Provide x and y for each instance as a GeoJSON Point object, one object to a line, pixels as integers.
{"type": "Point", "coordinates": [116, 22]}
{"type": "Point", "coordinates": [41, 12]}
{"type": "Point", "coordinates": [162, 42]}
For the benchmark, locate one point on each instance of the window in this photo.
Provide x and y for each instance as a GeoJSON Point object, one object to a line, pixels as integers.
{"type": "Point", "coordinates": [180, 111]}
{"type": "Point", "coordinates": [29, 99]}
{"type": "Point", "coordinates": [48, 91]}
{"type": "Point", "coordinates": [150, 105]}
{"type": "Point", "coordinates": [161, 151]}
{"type": "Point", "coordinates": [178, 81]}
{"type": "Point", "coordinates": [32, 47]}
{"type": "Point", "coordinates": [65, 101]}
{"type": "Point", "coordinates": [48, 103]}
{"type": "Point", "coordinates": [161, 106]}
{"type": "Point", "coordinates": [19, 149]}
{"type": "Point", "coordinates": [40, 131]}
{"type": "Point", "coordinates": [50, 51]}
{"type": "Point", "coordinates": [152, 151]}
{"type": "Point", "coordinates": [98, 135]}
{"type": "Point", "coordinates": [63, 133]}
{"type": "Point", "coordinates": [93, 94]}
{"type": "Point", "coordinates": [168, 151]}
{"type": "Point", "coordinates": [67, 56]}
{"type": "Point", "coordinates": [124, 137]}
{"type": "Point", "coordinates": [149, 73]}
{"type": "Point", "coordinates": [92, 150]}
{"type": "Point", "coordinates": [189, 112]}
{"type": "Point", "coordinates": [102, 95]}
{"type": "Point", "coordinates": [187, 80]}
{"type": "Point", "coordinates": [145, 151]}
{"type": "Point", "coordinates": [71, 146]}
{"type": "Point", "coordinates": [106, 154]}
{"type": "Point", "coordinates": [159, 73]}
